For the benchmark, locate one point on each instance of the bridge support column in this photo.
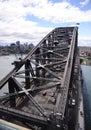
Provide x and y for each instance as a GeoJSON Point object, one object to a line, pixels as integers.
{"type": "Point", "coordinates": [27, 74]}
{"type": "Point", "coordinates": [12, 90]}
{"type": "Point", "coordinates": [43, 61]}
{"type": "Point", "coordinates": [37, 61]}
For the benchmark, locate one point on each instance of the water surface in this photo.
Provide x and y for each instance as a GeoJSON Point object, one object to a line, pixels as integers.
{"type": "Point", "coordinates": [86, 71]}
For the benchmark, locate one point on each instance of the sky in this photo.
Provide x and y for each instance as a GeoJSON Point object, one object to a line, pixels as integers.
{"type": "Point", "coordinates": [30, 20]}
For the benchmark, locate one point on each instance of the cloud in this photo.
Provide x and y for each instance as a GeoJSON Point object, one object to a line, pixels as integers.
{"type": "Point", "coordinates": [84, 41]}
{"type": "Point", "coordinates": [17, 22]}
{"type": "Point", "coordinates": [58, 12]}
{"type": "Point", "coordinates": [84, 3]}
{"type": "Point", "coordinates": [14, 26]}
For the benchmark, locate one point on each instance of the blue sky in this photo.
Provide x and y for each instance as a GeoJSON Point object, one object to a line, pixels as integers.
{"type": "Point", "coordinates": [30, 20]}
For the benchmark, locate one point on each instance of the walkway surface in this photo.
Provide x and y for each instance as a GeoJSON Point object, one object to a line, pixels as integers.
{"type": "Point", "coordinates": [5, 125]}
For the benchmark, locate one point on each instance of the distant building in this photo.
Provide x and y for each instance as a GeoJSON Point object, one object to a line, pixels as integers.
{"type": "Point", "coordinates": [12, 45]}
{"type": "Point", "coordinates": [31, 45]}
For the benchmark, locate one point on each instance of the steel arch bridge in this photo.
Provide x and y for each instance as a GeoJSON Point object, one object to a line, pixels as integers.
{"type": "Point", "coordinates": [39, 84]}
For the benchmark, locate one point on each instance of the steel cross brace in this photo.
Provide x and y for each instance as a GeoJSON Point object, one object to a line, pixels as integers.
{"type": "Point", "coordinates": [39, 108]}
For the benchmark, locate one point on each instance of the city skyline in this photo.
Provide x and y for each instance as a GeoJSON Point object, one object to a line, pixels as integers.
{"type": "Point", "coordinates": [30, 20]}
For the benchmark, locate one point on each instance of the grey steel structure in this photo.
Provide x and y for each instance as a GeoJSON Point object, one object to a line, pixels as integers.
{"type": "Point", "coordinates": [38, 94]}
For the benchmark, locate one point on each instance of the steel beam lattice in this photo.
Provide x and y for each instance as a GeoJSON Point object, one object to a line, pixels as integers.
{"type": "Point", "coordinates": [41, 87]}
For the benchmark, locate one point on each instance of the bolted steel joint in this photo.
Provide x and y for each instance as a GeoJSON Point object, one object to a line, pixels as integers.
{"type": "Point", "coordinates": [56, 119]}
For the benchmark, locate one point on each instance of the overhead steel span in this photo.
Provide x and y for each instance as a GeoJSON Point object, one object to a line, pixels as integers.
{"type": "Point", "coordinates": [42, 90]}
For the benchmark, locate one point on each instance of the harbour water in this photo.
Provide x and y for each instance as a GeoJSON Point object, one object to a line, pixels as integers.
{"type": "Point", "coordinates": [6, 63]}
{"type": "Point", "coordinates": [86, 71]}
{"type": "Point", "coordinates": [5, 67]}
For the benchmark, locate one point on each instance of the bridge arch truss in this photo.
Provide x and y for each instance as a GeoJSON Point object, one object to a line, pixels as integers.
{"type": "Point", "coordinates": [38, 85]}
